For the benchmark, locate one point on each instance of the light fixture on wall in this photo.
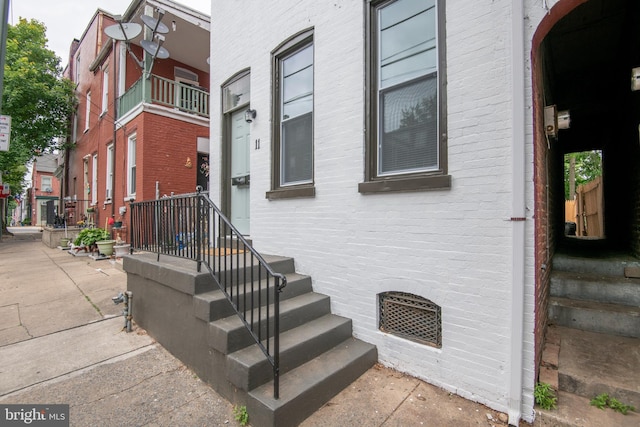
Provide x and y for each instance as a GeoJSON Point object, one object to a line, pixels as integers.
{"type": "Point", "coordinates": [249, 115]}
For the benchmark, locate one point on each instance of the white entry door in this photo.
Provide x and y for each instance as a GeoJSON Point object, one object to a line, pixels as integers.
{"type": "Point", "coordinates": [240, 172]}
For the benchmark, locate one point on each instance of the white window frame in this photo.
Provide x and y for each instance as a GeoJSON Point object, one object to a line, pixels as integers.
{"type": "Point", "coordinates": [105, 90]}
{"type": "Point", "coordinates": [43, 183]}
{"type": "Point", "coordinates": [109, 178]}
{"type": "Point", "coordinates": [77, 69]}
{"type": "Point", "coordinates": [131, 166]}
{"type": "Point", "coordinates": [87, 113]}
{"type": "Point", "coordinates": [94, 179]}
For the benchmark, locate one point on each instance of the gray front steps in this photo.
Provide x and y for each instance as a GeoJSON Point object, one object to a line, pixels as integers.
{"type": "Point", "coordinates": [592, 294]}
{"type": "Point", "coordinates": [248, 368]}
{"type": "Point", "coordinates": [592, 363]}
{"type": "Point", "coordinates": [593, 316]}
{"type": "Point", "coordinates": [213, 305]}
{"type": "Point", "coordinates": [608, 265]}
{"type": "Point", "coordinates": [229, 334]}
{"type": "Point", "coordinates": [318, 355]}
{"type": "Point", "coordinates": [596, 287]}
{"type": "Point", "coordinates": [309, 386]}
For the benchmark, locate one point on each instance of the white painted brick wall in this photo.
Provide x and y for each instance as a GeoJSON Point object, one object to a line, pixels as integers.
{"type": "Point", "coordinates": [452, 247]}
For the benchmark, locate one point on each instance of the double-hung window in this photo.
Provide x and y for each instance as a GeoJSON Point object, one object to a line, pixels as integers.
{"type": "Point", "coordinates": [293, 127]}
{"type": "Point", "coordinates": [87, 112]}
{"type": "Point", "coordinates": [131, 165]}
{"type": "Point", "coordinates": [105, 90]}
{"type": "Point", "coordinates": [405, 148]}
{"type": "Point", "coordinates": [109, 177]}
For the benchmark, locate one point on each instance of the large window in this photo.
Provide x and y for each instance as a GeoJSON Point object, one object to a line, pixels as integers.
{"type": "Point", "coordinates": [131, 165]}
{"type": "Point", "coordinates": [405, 124]}
{"type": "Point", "coordinates": [293, 127]}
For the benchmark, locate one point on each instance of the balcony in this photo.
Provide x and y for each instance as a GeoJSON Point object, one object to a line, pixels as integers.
{"type": "Point", "coordinates": [169, 93]}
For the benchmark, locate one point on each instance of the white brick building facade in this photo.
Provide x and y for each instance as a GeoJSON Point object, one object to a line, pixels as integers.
{"type": "Point", "coordinates": [454, 247]}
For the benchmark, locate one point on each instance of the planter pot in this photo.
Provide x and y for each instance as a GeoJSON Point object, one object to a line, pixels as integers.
{"type": "Point", "coordinates": [105, 247]}
{"type": "Point", "coordinates": [64, 242]}
{"type": "Point", "coordinates": [122, 250]}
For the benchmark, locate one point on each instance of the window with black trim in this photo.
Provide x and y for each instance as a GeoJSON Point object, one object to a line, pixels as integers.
{"type": "Point", "coordinates": [292, 169]}
{"type": "Point", "coordinates": [406, 121]}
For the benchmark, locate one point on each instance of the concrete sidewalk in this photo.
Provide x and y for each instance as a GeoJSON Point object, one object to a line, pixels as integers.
{"type": "Point", "coordinates": [62, 341]}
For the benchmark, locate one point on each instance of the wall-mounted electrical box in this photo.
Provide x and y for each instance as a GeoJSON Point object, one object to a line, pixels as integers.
{"type": "Point", "coordinates": [551, 121]}
{"type": "Point", "coordinates": [635, 79]}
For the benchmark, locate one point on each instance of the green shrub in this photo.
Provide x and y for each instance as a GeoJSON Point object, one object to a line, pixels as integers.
{"type": "Point", "coordinates": [603, 400]}
{"type": "Point", "coordinates": [89, 236]}
{"type": "Point", "coordinates": [545, 396]}
{"type": "Point", "coordinates": [241, 415]}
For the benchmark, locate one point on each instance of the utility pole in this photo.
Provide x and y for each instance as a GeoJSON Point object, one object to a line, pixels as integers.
{"type": "Point", "coordinates": [4, 23]}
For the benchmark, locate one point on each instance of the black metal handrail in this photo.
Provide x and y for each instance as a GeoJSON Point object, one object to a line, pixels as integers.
{"type": "Point", "coordinates": [191, 226]}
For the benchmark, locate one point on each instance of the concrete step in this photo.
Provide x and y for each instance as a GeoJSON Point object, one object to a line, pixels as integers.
{"type": "Point", "coordinates": [595, 287]}
{"type": "Point", "coordinates": [238, 268]}
{"type": "Point", "coordinates": [308, 387]}
{"type": "Point", "coordinates": [248, 368]}
{"type": "Point", "coordinates": [230, 334]}
{"type": "Point", "coordinates": [592, 316]}
{"type": "Point", "coordinates": [213, 305]}
{"type": "Point", "coordinates": [591, 363]}
{"type": "Point", "coordinates": [608, 265]}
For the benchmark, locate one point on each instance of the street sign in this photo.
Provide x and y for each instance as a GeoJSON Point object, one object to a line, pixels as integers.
{"type": "Point", "coordinates": [5, 132]}
{"type": "Point", "coordinates": [5, 191]}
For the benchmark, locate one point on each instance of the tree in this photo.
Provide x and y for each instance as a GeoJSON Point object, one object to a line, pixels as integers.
{"type": "Point", "coordinates": [588, 166]}
{"type": "Point", "coordinates": [36, 97]}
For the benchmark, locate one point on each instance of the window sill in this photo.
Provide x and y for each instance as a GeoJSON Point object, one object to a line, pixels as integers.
{"type": "Point", "coordinates": [130, 198]}
{"type": "Point", "coordinates": [395, 184]}
{"type": "Point", "coordinates": [291, 193]}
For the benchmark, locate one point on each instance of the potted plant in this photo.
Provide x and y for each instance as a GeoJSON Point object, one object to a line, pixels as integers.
{"type": "Point", "coordinates": [88, 237]}
{"type": "Point", "coordinates": [121, 248]}
{"type": "Point", "coordinates": [105, 247]}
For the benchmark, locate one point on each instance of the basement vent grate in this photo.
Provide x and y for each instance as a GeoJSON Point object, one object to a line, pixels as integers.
{"type": "Point", "coordinates": [411, 317]}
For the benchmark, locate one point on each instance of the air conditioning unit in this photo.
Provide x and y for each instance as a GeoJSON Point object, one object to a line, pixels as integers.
{"type": "Point", "coordinates": [48, 190]}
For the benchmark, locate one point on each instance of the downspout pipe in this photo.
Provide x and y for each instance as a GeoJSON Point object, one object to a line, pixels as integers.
{"type": "Point", "coordinates": [115, 129]}
{"type": "Point", "coordinates": [518, 216]}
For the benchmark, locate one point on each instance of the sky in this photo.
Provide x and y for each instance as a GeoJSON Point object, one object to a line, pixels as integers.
{"type": "Point", "coordinates": [67, 19]}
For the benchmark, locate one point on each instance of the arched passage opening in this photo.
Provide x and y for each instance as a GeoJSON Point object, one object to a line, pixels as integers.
{"type": "Point", "coordinates": [585, 59]}
{"type": "Point", "coordinates": [584, 54]}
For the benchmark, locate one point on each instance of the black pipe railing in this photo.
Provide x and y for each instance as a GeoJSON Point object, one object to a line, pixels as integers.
{"type": "Point", "coordinates": [191, 226]}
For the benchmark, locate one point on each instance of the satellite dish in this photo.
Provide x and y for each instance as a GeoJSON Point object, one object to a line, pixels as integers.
{"type": "Point", "coordinates": [155, 24]}
{"type": "Point", "coordinates": [154, 49]}
{"type": "Point", "coordinates": [123, 31]}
